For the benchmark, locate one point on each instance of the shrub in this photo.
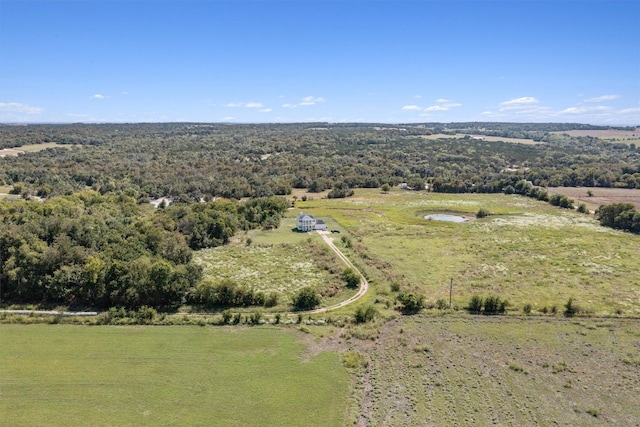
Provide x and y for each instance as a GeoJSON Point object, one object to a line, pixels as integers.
{"type": "Point", "coordinates": [272, 300]}
{"type": "Point", "coordinates": [570, 308]}
{"type": "Point", "coordinates": [255, 318]}
{"type": "Point", "coordinates": [582, 208]}
{"type": "Point", "coordinates": [395, 286]}
{"type": "Point", "coordinates": [351, 278]}
{"type": "Point", "coordinates": [352, 359]}
{"type": "Point", "coordinates": [306, 299]}
{"type": "Point", "coordinates": [482, 213]}
{"type": "Point", "coordinates": [527, 309]}
{"type": "Point", "coordinates": [475, 304]}
{"type": "Point", "coordinates": [237, 318]}
{"type": "Point", "coordinates": [385, 188]}
{"type": "Point", "coordinates": [226, 317]}
{"type": "Point", "coordinates": [442, 304]}
{"type": "Point", "coordinates": [365, 314]}
{"type": "Point", "coordinates": [411, 303]}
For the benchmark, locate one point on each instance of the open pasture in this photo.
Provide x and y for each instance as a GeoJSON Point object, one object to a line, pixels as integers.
{"type": "Point", "coordinates": [526, 251]}
{"type": "Point", "coordinates": [124, 376]}
{"type": "Point", "coordinates": [477, 370]}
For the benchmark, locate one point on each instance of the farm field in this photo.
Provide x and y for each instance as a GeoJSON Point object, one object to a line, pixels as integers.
{"type": "Point", "coordinates": [483, 137]}
{"type": "Point", "coordinates": [609, 135]}
{"type": "Point", "coordinates": [600, 196]}
{"type": "Point", "coordinates": [470, 371]}
{"type": "Point", "coordinates": [122, 376]}
{"type": "Point", "coordinates": [526, 251]}
{"type": "Point", "coordinates": [31, 148]}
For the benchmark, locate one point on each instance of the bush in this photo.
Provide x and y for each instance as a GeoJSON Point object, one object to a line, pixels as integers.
{"type": "Point", "coordinates": [351, 278]}
{"type": "Point", "coordinates": [527, 309]}
{"type": "Point", "coordinates": [482, 213]}
{"type": "Point", "coordinates": [306, 299]}
{"type": "Point", "coordinates": [365, 314]}
{"type": "Point", "coordinates": [272, 300]}
{"type": "Point", "coordinates": [570, 308]}
{"type": "Point", "coordinates": [411, 303]}
{"type": "Point", "coordinates": [475, 304]}
{"type": "Point", "coordinates": [226, 317]}
{"type": "Point", "coordinates": [442, 304]}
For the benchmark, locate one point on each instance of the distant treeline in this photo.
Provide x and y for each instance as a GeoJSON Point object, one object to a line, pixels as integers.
{"type": "Point", "coordinates": [102, 251]}
{"type": "Point", "coordinates": [189, 161]}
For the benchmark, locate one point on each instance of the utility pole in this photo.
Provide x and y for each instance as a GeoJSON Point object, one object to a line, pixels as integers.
{"type": "Point", "coordinates": [450, 292]}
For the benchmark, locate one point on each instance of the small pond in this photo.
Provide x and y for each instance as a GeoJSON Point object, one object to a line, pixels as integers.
{"type": "Point", "coordinates": [446, 217]}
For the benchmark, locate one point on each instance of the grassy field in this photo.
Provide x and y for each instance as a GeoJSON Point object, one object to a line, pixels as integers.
{"type": "Point", "coordinates": [472, 371]}
{"type": "Point", "coordinates": [123, 376]}
{"type": "Point", "coordinates": [32, 148]}
{"type": "Point", "coordinates": [526, 251]}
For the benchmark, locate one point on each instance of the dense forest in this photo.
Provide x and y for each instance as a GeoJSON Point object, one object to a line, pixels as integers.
{"type": "Point", "coordinates": [93, 239]}
{"type": "Point", "coordinates": [190, 162]}
{"type": "Point", "coordinates": [103, 251]}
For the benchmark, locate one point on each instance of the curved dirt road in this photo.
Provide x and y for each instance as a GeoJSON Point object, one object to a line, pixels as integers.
{"type": "Point", "coordinates": [364, 285]}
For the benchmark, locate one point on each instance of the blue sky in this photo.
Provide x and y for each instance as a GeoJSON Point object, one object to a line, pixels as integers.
{"type": "Point", "coordinates": [337, 61]}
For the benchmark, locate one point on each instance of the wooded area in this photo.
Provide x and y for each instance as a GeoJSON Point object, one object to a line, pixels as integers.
{"type": "Point", "coordinates": [94, 240]}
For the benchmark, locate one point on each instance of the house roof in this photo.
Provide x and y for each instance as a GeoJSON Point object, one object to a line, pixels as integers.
{"type": "Point", "coordinates": [319, 221]}
{"type": "Point", "coordinates": [304, 216]}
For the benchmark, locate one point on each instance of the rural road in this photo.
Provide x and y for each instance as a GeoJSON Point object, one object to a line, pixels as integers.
{"type": "Point", "coordinates": [364, 285]}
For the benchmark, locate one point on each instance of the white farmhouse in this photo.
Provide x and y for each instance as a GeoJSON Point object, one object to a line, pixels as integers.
{"type": "Point", "coordinates": [307, 222]}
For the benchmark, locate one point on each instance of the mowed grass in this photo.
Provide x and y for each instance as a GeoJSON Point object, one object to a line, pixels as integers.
{"type": "Point", "coordinates": [123, 376]}
{"type": "Point", "coordinates": [527, 251]}
{"type": "Point", "coordinates": [478, 371]}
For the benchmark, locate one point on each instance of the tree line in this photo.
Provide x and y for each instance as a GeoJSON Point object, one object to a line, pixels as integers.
{"type": "Point", "coordinates": [189, 162]}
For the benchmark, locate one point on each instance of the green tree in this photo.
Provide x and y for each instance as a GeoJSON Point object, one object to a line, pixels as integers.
{"type": "Point", "coordinates": [351, 277]}
{"type": "Point", "coordinates": [306, 299]}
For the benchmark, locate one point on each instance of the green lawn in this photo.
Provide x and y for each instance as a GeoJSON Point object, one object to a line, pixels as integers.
{"type": "Point", "coordinates": [123, 376]}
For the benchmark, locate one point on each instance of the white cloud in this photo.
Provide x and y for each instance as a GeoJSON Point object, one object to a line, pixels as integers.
{"type": "Point", "coordinates": [99, 96]}
{"type": "Point", "coordinates": [602, 98]}
{"type": "Point", "coordinates": [518, 103]}
{"type": "Point", "coordinates": [311, 100]}
{"type": "Point", "coordinates": [436, 108]}
{"type": "Point", "coordinates": [441, 100]}
{"type": "Point", "coordinates": [411, 108]}
{"type": "Point", "coordinates": [289, 106]}
{"type": "Point", "coordinates": [265, 110]}
{"type": "Point", "coordinates": [228, 118]}
{"type": "Point", "coordinates": [245, 105]}
{"type": "Point", "coordinates": [630, 111]}
{"type": "Point", "coordinates": [17, 107]}
{"type": "Point", "coordinates": [581, 110]}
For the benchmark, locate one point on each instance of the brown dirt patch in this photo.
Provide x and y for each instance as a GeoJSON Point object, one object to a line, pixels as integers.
{"type": "Point", "coordinates": [601, 196]}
